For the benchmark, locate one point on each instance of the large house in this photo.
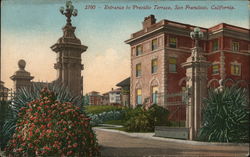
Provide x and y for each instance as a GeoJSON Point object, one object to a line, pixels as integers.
{"type": "Point", "coordinates": [94, 98]}
{"type": "Point", "coordinates": [159, 49]}
{"type": "Point", "coordinates": [112, 97]}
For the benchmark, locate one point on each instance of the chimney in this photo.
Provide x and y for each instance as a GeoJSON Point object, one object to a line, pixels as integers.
{"type": "Point", "coordinates": [148, 21]}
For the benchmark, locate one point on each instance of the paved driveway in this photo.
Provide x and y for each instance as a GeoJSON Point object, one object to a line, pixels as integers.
{"type": "Point", "coordinates": [114, 144]}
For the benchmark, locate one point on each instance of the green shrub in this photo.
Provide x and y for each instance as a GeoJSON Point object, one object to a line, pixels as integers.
{"type": "Point", "coordinates": [140, 123]}
{"type": "Point", "coordinates": [177, 124]}
{"type": "Point", "coordinates": [159, 114]}
{"type": "Point", "coordinates": [143, 120]}
{"type": "Point", "coordinates": [101, 118]}
{"type": "Point", "coordinates": [226, 116]}
{"type": "Point", "coordinates": [47, 127]}
{"type": "Point", "coordinates": [4, 107]}
{"type": "Point", "coordinates": [132, 112]}
{"type": "Point", "coordinates": [94, 109]}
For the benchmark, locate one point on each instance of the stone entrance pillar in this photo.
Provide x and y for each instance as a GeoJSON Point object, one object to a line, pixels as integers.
{"type": "Point", "coordinates": [21, 77]}
{"type": "Point", "coordinates": [196, 72]}
{"type": "Point", "coordinates": [69, 50]}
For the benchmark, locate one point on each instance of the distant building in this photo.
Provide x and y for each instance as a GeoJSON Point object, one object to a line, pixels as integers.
{"type": "Point", "coordinates": [125, 94]}
{"type": "Point", "coordinates": [112, 97]}
{"type": "Point", "coordinates": [3, 92]}
{"type": "Point", "coordinates": [95, 98]}
{"type": "Point", "coordinates": [105, 99]}
{"type": "Point", "coordinates": [159, 49]}
{"type": "Point", "coordinates": [115, 96]}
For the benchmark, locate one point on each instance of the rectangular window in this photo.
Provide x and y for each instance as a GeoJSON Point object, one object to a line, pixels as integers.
{"type": "Point", "coordinates": [235, 46]}
{"type": "Point", "coordinates": [138, 97]}
{"type": "Point", "coordinates": [138, 50]}
{"type": "Point", "coordinates": [235, 69]}
{"type": "Point", "coordinates": [154, 44]}
{"type": "Point", "coordinates": [172, 42]}
{"type": "Point", "coordinates": [215, 45]}
{"type": "Point", "coordinates": [138, 69]}
{"type": "Point", "coordinates": [215, 68]}
{"type": "Point", "coordinates": [154, 65]}
{"type": "Point", "coordinates": [155, 94]}
{"type": "Point", "coordinates": [172, 64]}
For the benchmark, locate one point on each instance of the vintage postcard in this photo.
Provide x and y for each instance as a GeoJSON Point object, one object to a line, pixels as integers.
{"type": "Point", "coordinates": [130, 53]}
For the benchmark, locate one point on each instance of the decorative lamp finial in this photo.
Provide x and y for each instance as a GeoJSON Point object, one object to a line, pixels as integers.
{"type": "Point", "coordinates": [196, 35]}
{"type": "Point", "coordinates": [69, 11]}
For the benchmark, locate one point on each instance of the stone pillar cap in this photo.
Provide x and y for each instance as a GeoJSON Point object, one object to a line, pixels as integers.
{"type": "Point", "coordinates": [21, 73]}
{"type": "Point", "coordinates": [21, 64]}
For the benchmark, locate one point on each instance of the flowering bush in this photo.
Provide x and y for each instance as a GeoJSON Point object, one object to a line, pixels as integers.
{"type": "Point", "coordinates": [47, 127]}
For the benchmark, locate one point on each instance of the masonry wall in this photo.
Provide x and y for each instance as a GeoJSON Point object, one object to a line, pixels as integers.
{"type": "Point", "coordinates": [172, 82]}
{"type": "Point", "coordinates": [146, 79]}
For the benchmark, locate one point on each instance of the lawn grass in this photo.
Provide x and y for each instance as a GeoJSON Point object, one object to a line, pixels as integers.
{"type": "Point", "coordinates": [177, 124]}
{"type": "Point", "coordinates": [124, 129]}
{"type": "Point", "coordinates": [94, 109]}
{"type": "Point", "coordinates": [115, 122]}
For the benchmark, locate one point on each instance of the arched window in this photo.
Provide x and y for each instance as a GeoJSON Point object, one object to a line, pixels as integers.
{"type": "Point", "coordinates": [138, 96]}
{"type": "Point", "coordinates": [155, 94]}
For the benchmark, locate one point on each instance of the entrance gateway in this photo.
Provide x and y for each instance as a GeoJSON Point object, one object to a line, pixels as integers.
{"type": "Point", "coordinates": [196, 85]}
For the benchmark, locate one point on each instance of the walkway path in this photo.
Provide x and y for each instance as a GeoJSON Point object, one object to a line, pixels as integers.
{"type": "Point", "coordinates": [117, 144]}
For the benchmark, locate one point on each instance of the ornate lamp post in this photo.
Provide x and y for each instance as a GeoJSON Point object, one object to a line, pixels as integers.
{"type": "Point", "coordinates": [69, 49]}
{"type": "Point", "coordinates": [196, 35]}
{"type": "Point", "coordinates": [196, 72]}
{"type": "Point", "coordinates": [69, 11]}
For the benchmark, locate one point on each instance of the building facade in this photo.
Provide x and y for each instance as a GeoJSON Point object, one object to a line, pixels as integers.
{"type": "Point", "coordinates": [160, 48]}
{"type": "Point", "coordinates": [95, 98]}
{"type": "Point", "coordinates": [115, 96]}
{"type": "Point", "coordinates": [105, 99]}
{"type": "Point", "coordinates": [125, 94]}
{"type": "Point", "coordinates": [3, 92]}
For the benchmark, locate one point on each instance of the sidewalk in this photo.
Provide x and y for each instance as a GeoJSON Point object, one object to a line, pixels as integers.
{"type": "Point", "coordinates": [116, 143]}
{"type": "Point", "coordinates": [151, 136]}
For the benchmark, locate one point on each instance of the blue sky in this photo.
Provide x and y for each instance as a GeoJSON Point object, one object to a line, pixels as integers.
{"type": "Point", "coordinates": [30, 27]}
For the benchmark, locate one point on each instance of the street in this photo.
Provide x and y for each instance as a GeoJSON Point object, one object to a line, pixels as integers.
{"type": "Point", "coordinates": [114, 144]}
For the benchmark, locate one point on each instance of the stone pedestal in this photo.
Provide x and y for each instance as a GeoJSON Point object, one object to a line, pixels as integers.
{"type": "Point", "coordinates": [196, 72]}
{"type": "Point", "coordinates": [69, 50]}
{"type": "Point", "coordinates": [21, 78]}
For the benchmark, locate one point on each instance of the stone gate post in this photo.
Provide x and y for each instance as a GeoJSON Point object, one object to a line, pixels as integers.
{"type": "Point", "coordinates": [196, 72]}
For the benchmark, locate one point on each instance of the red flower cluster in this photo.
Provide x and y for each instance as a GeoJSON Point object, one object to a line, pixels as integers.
{"type": "Point", "coordinates": [47, 127]}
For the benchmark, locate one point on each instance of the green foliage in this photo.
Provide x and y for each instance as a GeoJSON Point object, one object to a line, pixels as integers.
{"type": "Point", "coordinates": [143, 120]}
{"type": "Point", "coordinates": [131, 112]}
{"type": "Point", "coordinates": [4, 107]}
{"type": "Point", "coordinates": [159, 115]}
{"type": "Point", "coordinates": [47, 127]}
{"type": "Point", "coordinates": [105, 116]}
{"type": "Point", "coordinates": [177, 124]}
{"type": "Point", "coordinates": [226, 116]}
{"type": "Point", "coordinates": [97, 109]}
{"type": "Point", "coordinates": [140, 123]}
{"type": "Point", "coordinates": [115, 122]}
{"type": "Point", "coordinates": [24, 96]}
